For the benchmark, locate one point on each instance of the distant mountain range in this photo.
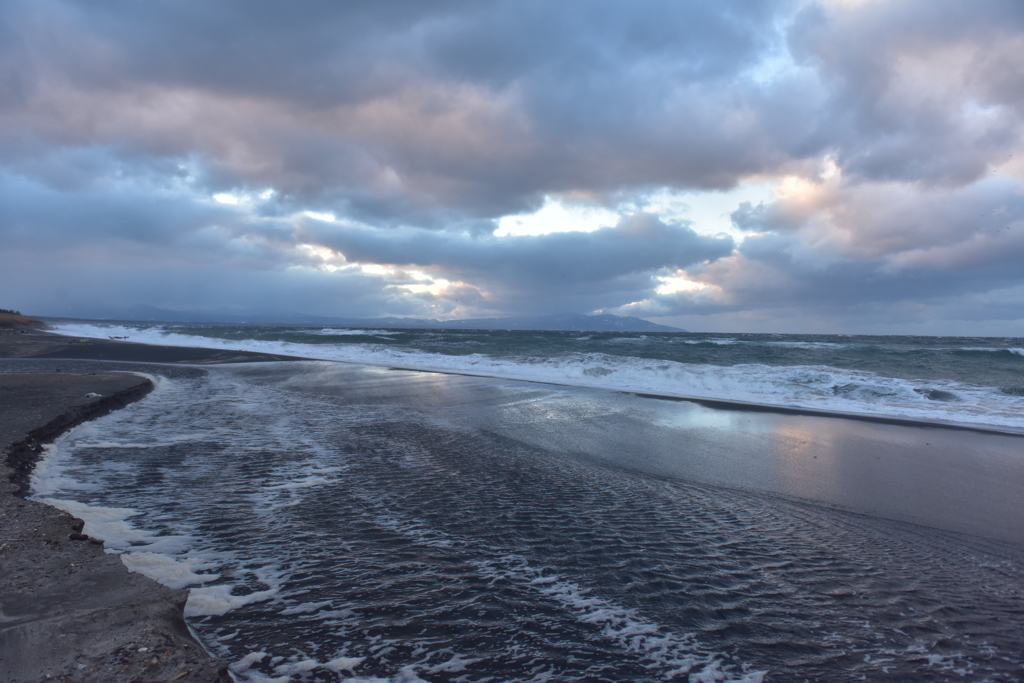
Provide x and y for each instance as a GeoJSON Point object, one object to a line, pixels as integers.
{"type": "Point", "coordinates": [559, 321]}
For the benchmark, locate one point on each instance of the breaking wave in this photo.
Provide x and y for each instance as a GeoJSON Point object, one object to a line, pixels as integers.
{"type": "Point", "coordinates": [813, 387]}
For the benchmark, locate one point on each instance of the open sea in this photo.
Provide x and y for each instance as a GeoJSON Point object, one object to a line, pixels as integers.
{"type": "Point", "coordinates": [507, 506]}
{"type": "Point", "coordinates": [969, 380]}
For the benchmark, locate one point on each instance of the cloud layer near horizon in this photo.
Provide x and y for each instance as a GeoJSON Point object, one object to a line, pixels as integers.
{"type": "Point", "coordinates": [356, 160]}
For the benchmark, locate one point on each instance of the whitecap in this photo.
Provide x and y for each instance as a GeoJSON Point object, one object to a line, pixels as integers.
{"type": "Point", "coordinates": [786, 386]}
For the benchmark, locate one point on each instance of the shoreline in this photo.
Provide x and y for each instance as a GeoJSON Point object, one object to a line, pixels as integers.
{"type": "Point", "coordinates": [39, 345]}
{"type": "Point", "coordinates": [891, 469]}
{"type": "Point", "coordinates": [162, 354]}
{"type": "Point", "coordinates": [23, 455]}
{"type": "Point", "coordinates": [68, 609]}
{"type": "Point", "coordinates": [726, 404]}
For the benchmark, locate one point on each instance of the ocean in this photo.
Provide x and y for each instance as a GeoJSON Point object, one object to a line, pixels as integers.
{"type": "Point", "coordinates": [965, 380]}
{"type": "Point", "coordinates": [519, 506]}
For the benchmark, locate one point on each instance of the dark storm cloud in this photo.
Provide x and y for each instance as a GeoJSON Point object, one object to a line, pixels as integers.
{"type": "Point", "coordinates": [100, 287]}
{"type": "Point", "coordinates": [41, 216]}
{"type": "Point", "coordinates": [131, 220]}
{"type": "Point", "coordinates": [639, 243]}
{"type": "Point", "coordinates": [92, 248]}
{"type": "Point", "coordinates": [919, 90]}
{"type": "Point", "coordinates": [607, 267]}
{"type": "Point", "coordinates": [405, 113]}
{"type": "Point", "coordinates": [408, 111]}
{"type": "Point", "coordinates": [883, 220]}
{"type": "Point", "coordinates": [887, 256]}
{"type": "Point", "coordinates": [424, 123]}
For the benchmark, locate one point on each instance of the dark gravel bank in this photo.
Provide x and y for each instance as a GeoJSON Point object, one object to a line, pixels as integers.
{"type": "Point", "coordinates": [68, 610]}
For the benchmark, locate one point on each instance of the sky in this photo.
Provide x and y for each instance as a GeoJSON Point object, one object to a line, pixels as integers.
{"type": "Point", "coordinates": [831, 166]}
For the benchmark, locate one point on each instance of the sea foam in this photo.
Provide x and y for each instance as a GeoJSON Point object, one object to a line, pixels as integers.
{"type": "Point", "coordinates": [814, 387]}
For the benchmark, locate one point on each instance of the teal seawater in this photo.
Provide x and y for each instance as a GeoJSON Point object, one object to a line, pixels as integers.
{"type": "Point", "coordinates": [988, 361]}
{"type": "Point", "coordinates": [965, 380]}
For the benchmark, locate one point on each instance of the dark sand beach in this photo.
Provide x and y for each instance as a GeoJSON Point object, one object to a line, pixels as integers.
{"type": "Point", "coordinates": [945, 481]}
{"type": "Point", "coordinates": [70, 611]}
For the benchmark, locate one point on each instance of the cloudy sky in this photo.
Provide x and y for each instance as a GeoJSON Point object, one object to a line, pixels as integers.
{"type": "Point", "coordinates": [727, 165]}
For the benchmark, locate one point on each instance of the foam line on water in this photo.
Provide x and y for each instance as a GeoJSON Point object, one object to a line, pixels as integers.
{"type": "Point", "coordinates": [49, 476]}
{"type": "Point", "coordinates": [175, 560]}
{"type": "Point", "coordinates": [1014, 350]}
{"type": "Point", "coordinates": [814, 387]}
{"type": "Point", "coordinates": [666, 654]}
{"type": "Point", "coordinates": [682, 654]}
{"type": "Point", "coordinates": [168, 571]}
{"type": "Point", "coordinates": [342, 332]}
{"type": "Point", "coordinates": [626, 628]}
{"type": "Point", "coordinates": [180, 561]}
{"type": "Point", "coordinates": [219, 599]}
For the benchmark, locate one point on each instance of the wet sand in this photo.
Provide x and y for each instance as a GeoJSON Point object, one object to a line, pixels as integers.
{"type": "Point", "coordinates": [951, 479]}
{"type": "Point", "coordinates": [41, 344]}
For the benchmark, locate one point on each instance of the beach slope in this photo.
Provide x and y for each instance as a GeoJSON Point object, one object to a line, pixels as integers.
{"type": "Point", "coordinates": [68, 610]}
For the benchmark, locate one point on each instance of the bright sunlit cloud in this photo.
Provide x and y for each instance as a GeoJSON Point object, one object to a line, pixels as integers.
{"type": "Point", "coordinates": [708, 212]}
{"type": "Point", "coordinates": [557, 216]}
{"type": "Point", "coordinates": [672, 284]}
{"type": "Point", "coordinates": [424, 283]}
{"type": "Point", "coordinates": [321, 216]}
{"type": "Point", "coordinates": [418, 281]}
{"type": "Point", "coordinates": [321, 257]}
{"type": "Point", "coordinates": [242, 198]}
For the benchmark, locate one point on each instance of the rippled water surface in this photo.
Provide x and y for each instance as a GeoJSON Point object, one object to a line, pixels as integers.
{"type": "Point", "coordinates": [330, 534]}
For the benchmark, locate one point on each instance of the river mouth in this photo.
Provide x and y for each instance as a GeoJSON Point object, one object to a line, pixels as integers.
{"type": "Point", "coordinates": [336, 521]}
